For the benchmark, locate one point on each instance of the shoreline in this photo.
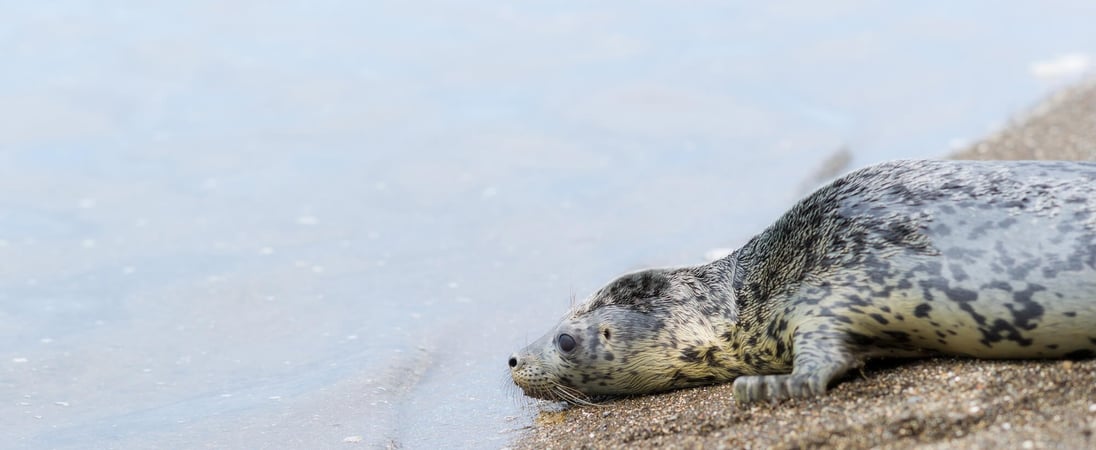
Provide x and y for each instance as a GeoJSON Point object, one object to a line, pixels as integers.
{"type": "Point", "coordinates": [926, 403]}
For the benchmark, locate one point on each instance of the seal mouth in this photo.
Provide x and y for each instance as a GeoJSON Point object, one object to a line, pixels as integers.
{"type": "Point", "coordinates": [559, 393]}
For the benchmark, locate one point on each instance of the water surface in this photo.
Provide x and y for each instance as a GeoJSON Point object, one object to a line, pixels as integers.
{"type": "Point", "coordinates": [327, 224]}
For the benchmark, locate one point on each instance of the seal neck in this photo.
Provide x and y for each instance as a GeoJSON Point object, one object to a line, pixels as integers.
{"type": "Point", "coordinates": [717, 278]}
{"type": "Point", "coordinates": [772, 264]}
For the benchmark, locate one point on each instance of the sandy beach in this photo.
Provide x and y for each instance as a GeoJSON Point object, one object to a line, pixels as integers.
{"type": "Point", "coordinates": [936, 403]}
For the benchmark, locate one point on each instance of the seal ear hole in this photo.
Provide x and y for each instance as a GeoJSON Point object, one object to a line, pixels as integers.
{"type": "Point", "coordinates": [566, 343]}
{"type": "Point", "coordinates": [605, 332]}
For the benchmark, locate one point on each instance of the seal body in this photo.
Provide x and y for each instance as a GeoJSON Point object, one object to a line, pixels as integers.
{"type": "Point", "coordinates": [902, 259]}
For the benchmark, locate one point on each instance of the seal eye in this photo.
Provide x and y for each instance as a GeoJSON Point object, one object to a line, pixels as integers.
{"type": "Point", "coordinates": [566, 343]}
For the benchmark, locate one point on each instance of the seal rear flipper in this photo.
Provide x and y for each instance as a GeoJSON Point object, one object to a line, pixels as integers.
{"type": "Point", "coordinates": [821, 356]}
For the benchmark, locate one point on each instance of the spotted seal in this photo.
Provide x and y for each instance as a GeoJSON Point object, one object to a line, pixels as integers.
{"type": "Point", "coordinates": [902, 259]}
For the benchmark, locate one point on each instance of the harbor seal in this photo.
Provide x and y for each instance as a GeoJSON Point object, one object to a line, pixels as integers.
{"type": "Point", "coordinates": [903, 259]}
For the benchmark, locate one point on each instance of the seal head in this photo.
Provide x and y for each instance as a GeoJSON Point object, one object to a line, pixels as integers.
{"type": "Point", "coordinates": [647, 331]}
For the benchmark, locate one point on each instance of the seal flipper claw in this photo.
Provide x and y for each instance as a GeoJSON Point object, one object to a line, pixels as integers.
{"type": "Point", "coordinates": [821, 356]}
{"type": "Point", "coordinates": [774, 388]}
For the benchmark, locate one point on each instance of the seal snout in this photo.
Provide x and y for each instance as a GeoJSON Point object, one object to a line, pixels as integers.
{"type": "Point", "coordinates": [528, 375]}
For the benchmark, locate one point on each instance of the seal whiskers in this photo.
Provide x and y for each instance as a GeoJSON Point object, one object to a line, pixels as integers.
{"type": "Point", "coordinates": [571, 395]}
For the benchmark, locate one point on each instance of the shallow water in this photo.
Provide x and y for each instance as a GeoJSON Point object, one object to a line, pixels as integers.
{"type": "Point", "coordinates": [328, 224]}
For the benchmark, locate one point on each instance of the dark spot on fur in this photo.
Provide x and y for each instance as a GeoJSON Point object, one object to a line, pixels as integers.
{"type": "Point", "coordinates": [857, 300]}
{"type": "Point", "coordinates": [979, 230]}
{"type": "Point", "coordinates": [898, 336]}
{"type": "Point", "coordinates": [960, 294]}
{"type": "Point", "coordinates": [843, 319]}
{"type": "Point", "coordinates": [1021, 271]}
{"type": "Point", "coordinates": [636, 291]}
{"type": "Point", "coordinates": [709, 357]}
{"type": "Point", "coordinates": [1029, 310]}
{"type": "Point", "coordinates": [781, 348]}
{"type": "Point", "coordinates": [922, 310]}
{"type": "Point", "coordinates": [1001, 329]}
{"type": "Point", "coordinates": [957, 272]}
{"type": "Point", "coordinates": [859, 339]}
{"type": "Point", "coordinates": [879, 318]}
{"type": "Point", "coordinates": [777, 327]}
{"type": "Point", "coordinates": [690, 355]}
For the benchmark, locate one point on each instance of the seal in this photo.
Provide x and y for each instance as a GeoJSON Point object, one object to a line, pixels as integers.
{"type": "Point", "coordinates": [991, 260]}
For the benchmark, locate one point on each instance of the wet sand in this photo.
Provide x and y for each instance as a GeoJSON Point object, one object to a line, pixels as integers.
{"type": "Point", "coordinates": [935, 403]}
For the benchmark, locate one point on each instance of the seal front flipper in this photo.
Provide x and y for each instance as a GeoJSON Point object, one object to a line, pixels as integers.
{"type": "Point", "coordinates": [821, 354]}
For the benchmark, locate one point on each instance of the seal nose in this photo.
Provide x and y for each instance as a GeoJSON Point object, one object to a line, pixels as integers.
{"type": "Point", "coordinates": [514, 361]}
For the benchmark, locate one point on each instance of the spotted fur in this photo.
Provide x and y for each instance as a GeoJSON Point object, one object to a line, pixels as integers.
{"type": "Point", "coordinates": [902, 259]}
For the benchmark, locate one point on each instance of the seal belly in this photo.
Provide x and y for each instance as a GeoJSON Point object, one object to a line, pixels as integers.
{"type": "Point", "coordinates": [992, 325]}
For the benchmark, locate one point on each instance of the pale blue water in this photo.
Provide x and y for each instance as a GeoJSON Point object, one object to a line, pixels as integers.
{"type": "Point", "coordinates": [286, 225]}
